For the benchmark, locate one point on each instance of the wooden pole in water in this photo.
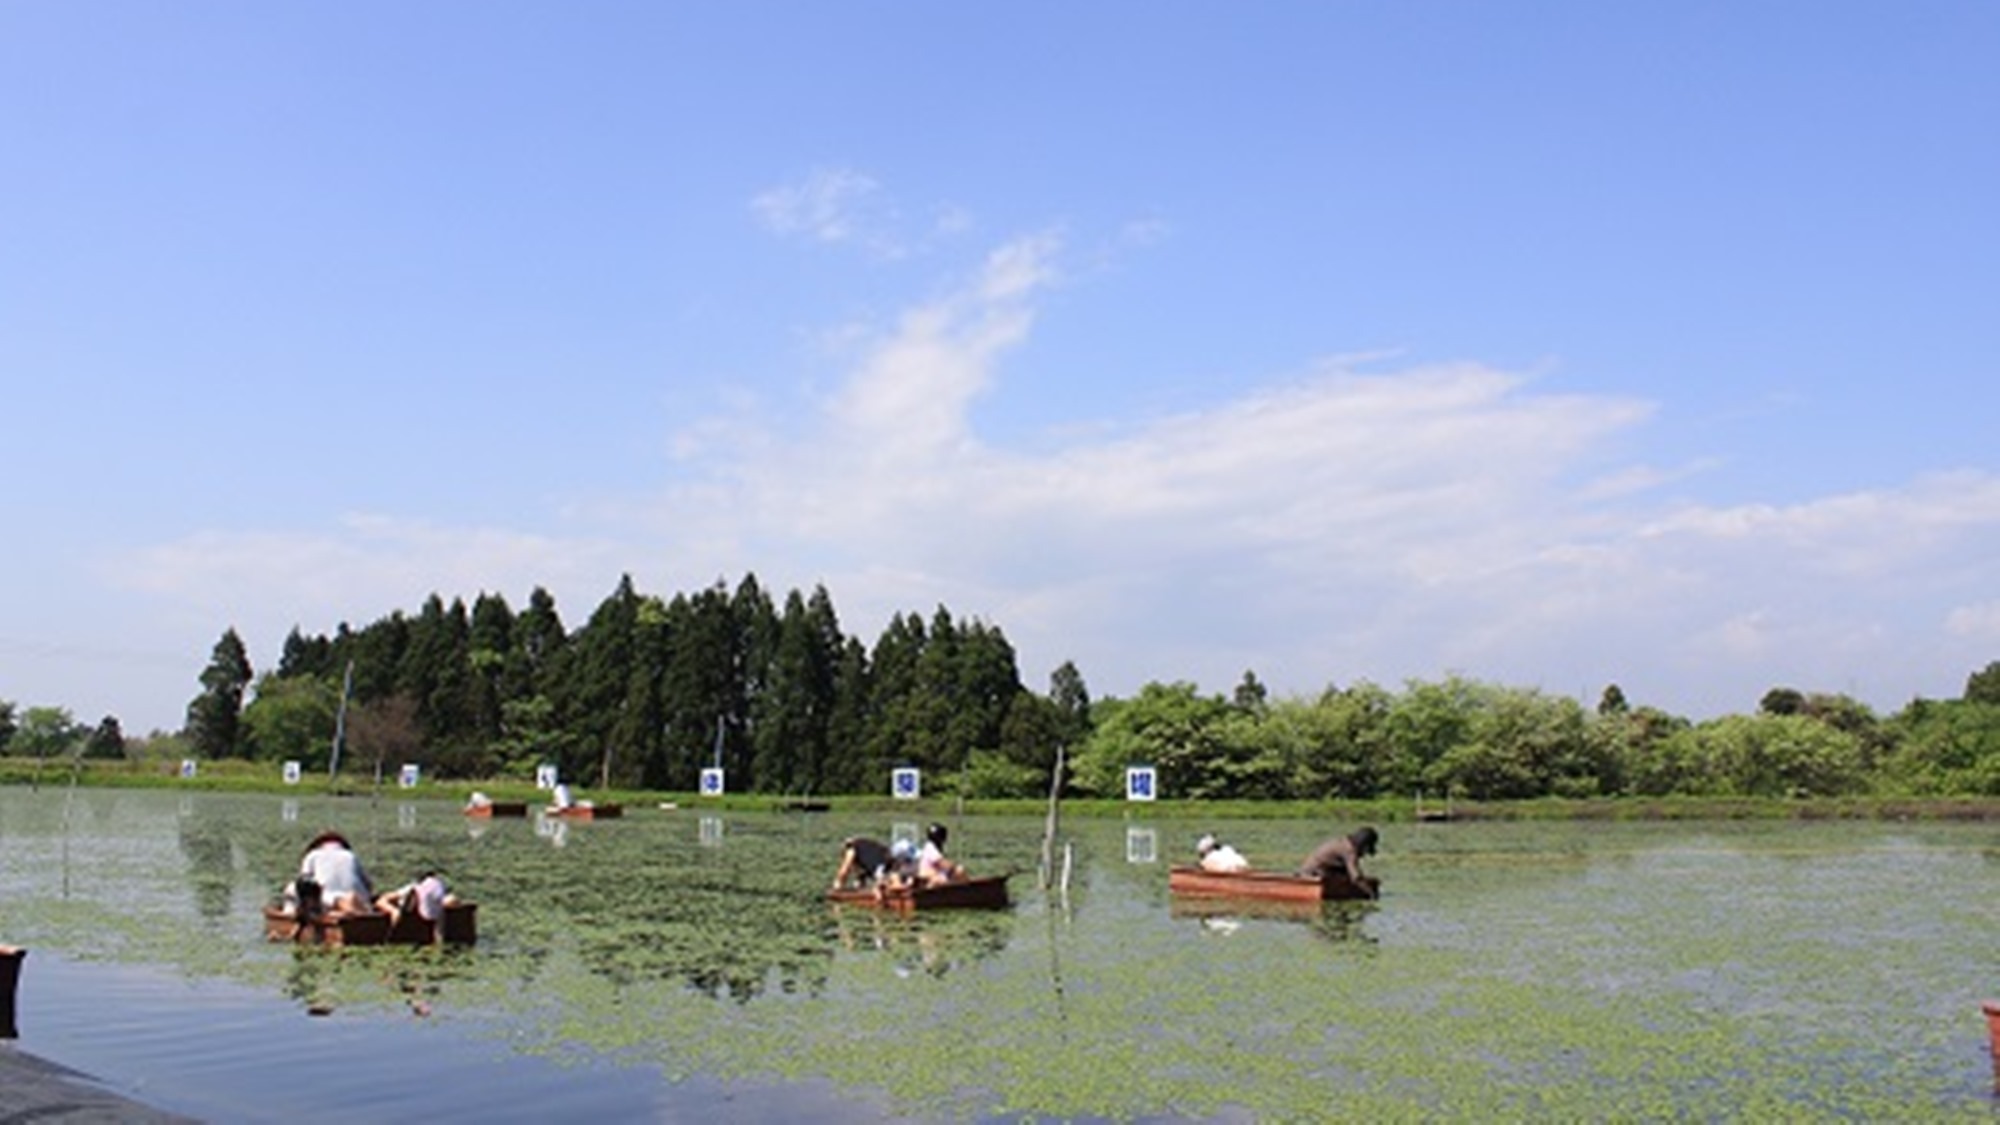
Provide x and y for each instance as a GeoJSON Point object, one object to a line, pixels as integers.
{"type": "Point", "coordinates": [1049, 832]}
{"type": "Point", "coordinates": [10, 978]}
{"type": "Point", "coordinates": [1991, 1008]}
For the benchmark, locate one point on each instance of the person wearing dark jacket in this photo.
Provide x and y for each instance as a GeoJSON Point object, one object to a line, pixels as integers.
{"type": "Point", "coordinates": [1342, 854]}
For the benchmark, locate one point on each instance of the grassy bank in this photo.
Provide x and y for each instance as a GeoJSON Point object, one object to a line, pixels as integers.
{"type": "Point", "coordinates": [263, 777]}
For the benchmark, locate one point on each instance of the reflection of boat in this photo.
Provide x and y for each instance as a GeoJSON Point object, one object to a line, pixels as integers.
{"type": "Point", "coordinates": [989, 893]}
{"type": "Point", "coordinates": [1219, 906]}
{"type": "Point", "coordinates": [587, 812]}
{"type": "Point", "coordinates": [498, 808]}
{"type": "Point", "coordinates": [1269, 886]}
{"type": "Point", "coordinates": [461, 927]}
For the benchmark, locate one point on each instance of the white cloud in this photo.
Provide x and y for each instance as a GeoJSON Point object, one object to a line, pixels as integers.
{"type": "Point", "coordinates": [844, 207]}
{"type": "Point", "coordinates": [829, 205]}
{"type": "Point", "coordinates": [1369, 517]}
{"type": "Point", "coordinates": [264, 583]}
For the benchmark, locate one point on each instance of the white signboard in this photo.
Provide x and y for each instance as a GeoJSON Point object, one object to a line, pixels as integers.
{"type": "Point", "coordinates": [187, 769]}
{"type": "Point", "coordinates": [408, 777]}
{"type": "Point", "coordinates": [711, 782]}
{"type": "Point", "coordinates": [291, 773]}
{"type": "Point", "coordinates": [545, 776]}
{"type": "Point", "coordinates": [1140, 783]}
{"type": "Point", "coordinates": [906, 783]}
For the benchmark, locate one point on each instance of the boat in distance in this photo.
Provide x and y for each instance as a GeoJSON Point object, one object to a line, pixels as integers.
{"type": "Point", "coordinates": [586, 812]}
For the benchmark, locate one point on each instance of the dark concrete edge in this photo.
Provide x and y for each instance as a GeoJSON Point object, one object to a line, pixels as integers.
{"type": "Point", "coordinates": [33, 1088]}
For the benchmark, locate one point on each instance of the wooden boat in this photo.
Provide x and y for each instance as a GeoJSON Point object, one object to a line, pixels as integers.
{"type": "Point", "coordinates": [461, 927]}
{"type": "Point", "coordinates": [1269, 886]}
{"type": "Point", "coordinates": [587, 812]}
{"type": "Point", "coordinates": [989, 893]}
{"type": "Point", "coordinates": [498, 808]}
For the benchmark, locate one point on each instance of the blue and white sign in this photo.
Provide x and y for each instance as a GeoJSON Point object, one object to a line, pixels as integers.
{"type": "Point", "coordinates": [187, 769]}
{"type": "Point", "coordinates": [291, 773]}
{"type": "Point", "coordinates": [1141, 784]}
{"type": "Point", "coordinates": [545, 776]}
{"type": "Point", "coordinates": [711, 782]}
{"type": "Point", "coordinates": [906, 783]}
{"type": "Point", "coordinates": [408, 777]}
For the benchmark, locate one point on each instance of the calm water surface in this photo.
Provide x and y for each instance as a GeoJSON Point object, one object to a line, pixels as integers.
{"type": "Point", "coordinates": [675, 965]}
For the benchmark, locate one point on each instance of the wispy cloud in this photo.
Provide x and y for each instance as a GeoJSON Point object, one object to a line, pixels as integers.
{"type": "Point", "coordinates": [829, 205]}
{"type": "Point", "coordinates": [838, 206]}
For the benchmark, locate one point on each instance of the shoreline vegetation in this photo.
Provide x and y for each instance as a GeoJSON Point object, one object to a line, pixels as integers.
{"type": "Point", "coordinates": [257, 777]}
{"type": "Point", "coordinates": [650, 695]}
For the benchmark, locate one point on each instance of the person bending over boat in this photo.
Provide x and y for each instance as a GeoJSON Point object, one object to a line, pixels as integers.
{"type": "Point", "coordinates": [863, 862]}
{"type": "Point", "coordinates": [330, 864]}
{"type": "Point", "coordinates": [427, 896]}
{"type": "Point", "coordinates": [1342, 854]}
{"type": "Point", "coordinates": [1217, 856]}
{"type": "Point", "coordinates": [933, 869]}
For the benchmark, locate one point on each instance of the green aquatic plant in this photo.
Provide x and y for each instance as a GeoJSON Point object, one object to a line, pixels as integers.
{"type": "Point", "coordinates": [1526, 970]}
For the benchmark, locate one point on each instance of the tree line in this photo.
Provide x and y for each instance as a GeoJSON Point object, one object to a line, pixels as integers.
{"type": "Point", "coordinates": [647, 692]}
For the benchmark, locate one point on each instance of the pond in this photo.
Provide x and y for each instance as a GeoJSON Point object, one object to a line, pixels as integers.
{"type": "Point", "coordinates": [681, 965]}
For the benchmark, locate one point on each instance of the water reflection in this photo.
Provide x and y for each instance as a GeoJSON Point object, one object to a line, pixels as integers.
{"type": "Point", "coordinates": [1142, 845]}
{"type": "Point", "coordinates": [932, 945]}
{"type": "Point", "coordinates": [322, 981]}
{"type": "Point", "coordinates": [211, 866]}
{"type": "Point", "coordinates": [1338, 922]}
{"type": "Point", "coordinates": [554, 829]}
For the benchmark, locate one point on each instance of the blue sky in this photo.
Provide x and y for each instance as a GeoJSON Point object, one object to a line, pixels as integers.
{"type": "Point", "coordinates": [1552, 344]}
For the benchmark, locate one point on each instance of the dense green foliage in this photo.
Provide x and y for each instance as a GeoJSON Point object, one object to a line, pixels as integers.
{"type": "Point", "coordinates": [647, 692]}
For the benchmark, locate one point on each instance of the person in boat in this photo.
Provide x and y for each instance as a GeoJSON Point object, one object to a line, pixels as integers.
{"type": "Point", "coordinates": [1341, 854]}
{"type": "Point", "coordinates": [1217, 856]}
{"type": "Point", "coordinates": [478, 800]}
{"type": "Point", "coordinates": [428, 896]}
{"type": "Point", "coordinates": [864, 862]}
{"type": "Point", "coordinates": [933, 869]}
{"type": "Point", "coordinates": [330, 872]}
{"type": "Point", "coordinates": [560, 799]}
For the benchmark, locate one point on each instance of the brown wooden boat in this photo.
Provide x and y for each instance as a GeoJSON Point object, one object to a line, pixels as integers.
{"type": "Point", "coordinates": [989, 893]}
{"type": "Point", "coordinates": [587, 812]}
{"type": "Point", "coordinates": [498, 808]}
{"type": "Point", "coordinates": [461, 927]}
{"type": "Point", "coordinates": [1269, 886]}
